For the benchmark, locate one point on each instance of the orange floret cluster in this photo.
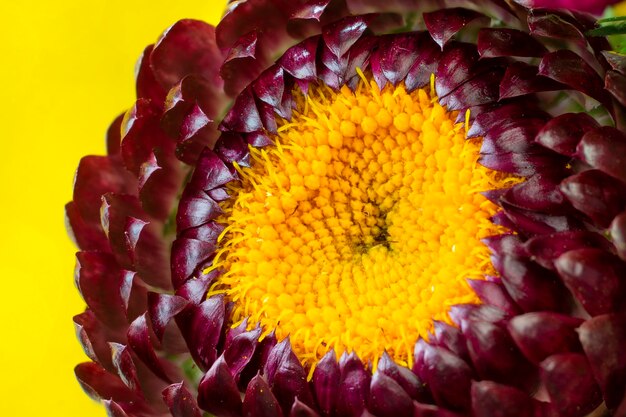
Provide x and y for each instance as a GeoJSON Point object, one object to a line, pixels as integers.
{"type": "Point", "coordinates": [360, 226]}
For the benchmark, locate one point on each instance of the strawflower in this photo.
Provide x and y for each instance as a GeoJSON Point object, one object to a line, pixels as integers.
{"type": "Point", "coordinates": [361, 208]}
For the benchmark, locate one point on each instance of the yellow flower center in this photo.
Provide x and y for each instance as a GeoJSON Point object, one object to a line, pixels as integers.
{"type": "Point", "coordinates": [360, 226]}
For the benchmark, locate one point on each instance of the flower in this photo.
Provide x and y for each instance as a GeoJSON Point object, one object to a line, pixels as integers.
{"type": "Point", "coordinates": [287, 218]}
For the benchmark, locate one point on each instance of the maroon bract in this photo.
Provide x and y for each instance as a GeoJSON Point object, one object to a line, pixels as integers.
{"type": "Point", "coordinates": [550, 334]}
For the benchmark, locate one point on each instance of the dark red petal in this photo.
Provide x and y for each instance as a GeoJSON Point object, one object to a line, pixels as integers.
{"type": "Point", "coordinates": [306, 18]}
{"type": "Point", "coordinates": [325, 383]}
{"type": "Point", "coordinates": [239, 351]}
{"type": "Point", "coordinates": [188, 255]}
{"type": "Point", "coordinates": [505, 244]}
{"type": "Point", "coordinates": [499, 114]}
{"type": "Point", "coordinates": [570, 384]}
{"type": "Point", "coordinates": [621, 410]}
{"type": "Point", "coordinates": [242, 64]}
{"type": "Point", "coordinates": [459, 313]}
{"type": "Point", "coordinates": [563, 133]}
{"type": "Point", "coordinates": [269, 20]}
{"type": "Point", "coordinates": [541, 334]}
{"type": "Point", "coordinates": [160, 178]}
{"type": "Point", "coordinates": [596, 278]}
{"type": "Point", "coordinates": [497, 42]}
{"type": "Point", "coordinates": [139, 340]}
{"type": "Point", "coordinates": [264, 16]}
{"type": "Point", "coordinates": [450, 338]}
{"type": "Point", "coordinates": [93, 337]}
{"type": "Point", "coordinates": [545, 249]}
{"type": "Point", "coordinates": [162, 308]}
{"type": "Point", "coordinates": [244, 115]}
{"type": "Point", "coordinates": [116, 212]}
{"type": "Point", "coordinates": [532, 287]}
{"type": "Point", "coordinates": [596, 194]}
{"type": "Point", "coordinates": [260, 139]}
{"type": "Point", "coordinates": [341, 36]}
{"type": "Point", "coordinates": [567, 67]}
{"type": "Point", "coordinates": [300, 409]}
{"type": "Point", "coordinates": [387, 398]}
{"type": "Point", "coordinates": [268, 117]}
{"type": "Point", "coordinates": [311, 10]}
{"type": "Point", "coordinates": [195, 209]}
{"type": "Point", "coordinates": [511, 136]}
{"type": "Point", "coordinates": [113, 409]}
{"type": "Point", "coordinates": [195, 289]}
{"type": "Point", "coordinates": [142, 135]}
{"type": "Point", "coordinates": [190, 108]}
{"type": "Point", "coordinates": [443, 24]}
{"type": "Point", "coordinates": [99, 281]}
{"type": "Point", "coordinates": [494, 354]}
{"type": "Point", "coordinates": [604, 340]}
{"type": "Point", "coordinates": [616, 60]}
{"type": "Point", "coordinates": [615, 83]}
{"type": "Point", "coordinates": [270, 86]}
{"type": "Point", "coordinates": [286, 376]}
{"type": "Point", "coordinates": [233, 332]}
{"type": "Point", "coordinates": [521, 79]}
{"type": "Point", "coordinates": [114, 135]}
{"type": "Point", "coordinates": [134, 294]}
{"type": "Point", "coordinates": [618, 234]}
{"type": "Point", "coordinates": [196, 132]}
{"type": "Point", "coordinates": [299, 60]}
{"type": "Point", "coordinates": [207, 232]}
{"type": "Point", "coordinates": [180, 401]}
{"type": "Point", "coordinates": [187, 47]}
{"type": "Point", "coordinates": [354, 386]}
{"type": "Point", "coordinates": [146, 85]}
{"type": "Point", "coordinates": [425, 64]}
{"type": "Point", "coordinates": [201, 327]}
{"type": "Point", "coordinates": [409, 382]}
{"type": "Point", "coordinates": [479, 90]}
{"type": "Point", "coordinates": [523, 165]}
{"type": "Point", "coordinates": [396, 55]}
{"type": "Point", "coordinates": [428, 410]}
{"type": "Point", "coordinates": [493, 293]}
{"type": "Point", "coordinates": [233, 148]}
{"type": "Point", "coordinates": [531, 223]}
{"type": "Point", "coordinates": [605, 149]}
{"type": "Point", "coordinates": [125, 366]}
{"type": "Point", "coordinates": [259, 400]}
{"type": "Point", "coordinates": [448, 377]}
{"type": "Point", "coordinates": [538, 193]}
{"type": "Point", "coordinates": [88, 236]}
{"type": "Point", "coordinates": [454, 68]}
{"type": "Point", "coordinates": [258, 361]}
{"type": "Point", "coordinates": [332, 70]}
{"type": "Point", "coordinates": [150, 253]}
{"type": "Point", "coordinates": [96, 176]}
{"type": "Point", "coordinates": [100, 384]}
{"type": "Point", "coordinates": [494, 400]}
{"type": "Point", "coordinates": [551, 25]}
{"type": "Point", "coordinates": [218, 393]}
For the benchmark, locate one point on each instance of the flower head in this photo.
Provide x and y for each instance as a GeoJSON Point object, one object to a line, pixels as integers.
{"type": "Point", "coordinates": [360, 208]}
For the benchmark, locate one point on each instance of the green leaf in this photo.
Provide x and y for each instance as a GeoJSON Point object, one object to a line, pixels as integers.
{"type": "Point", "coordinates": [609, 29]}
{"type": "Point", "coordinates": [612, 19]}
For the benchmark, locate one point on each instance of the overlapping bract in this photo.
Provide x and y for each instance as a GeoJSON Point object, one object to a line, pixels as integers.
{"type": "Point", "coordinates": [144, 215]}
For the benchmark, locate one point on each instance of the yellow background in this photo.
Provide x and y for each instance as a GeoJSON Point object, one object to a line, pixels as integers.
{"type": "Point", "coordinates": [67, 70]}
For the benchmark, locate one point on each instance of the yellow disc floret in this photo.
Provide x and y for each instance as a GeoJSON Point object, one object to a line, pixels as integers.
{"type": "Point", "coordinates": [360, 226]}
